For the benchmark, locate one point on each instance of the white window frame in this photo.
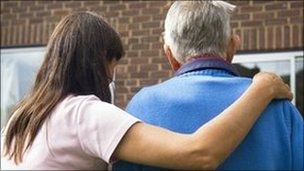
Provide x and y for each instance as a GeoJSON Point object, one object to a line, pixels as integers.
{"type": "Point", "coordinates": [22, 49]}
{"type": "Point", "coordinates": [272, 57]}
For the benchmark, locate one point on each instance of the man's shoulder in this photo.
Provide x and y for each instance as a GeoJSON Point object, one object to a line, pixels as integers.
{"type": "Point", "coordinates": [281, 112]}
{"type": "Point", "coordinates": [148, 92]}
{"type": "Point", "coordinates": [145, 99]}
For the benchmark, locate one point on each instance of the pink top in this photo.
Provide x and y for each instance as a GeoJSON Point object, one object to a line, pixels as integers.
{"type": "Point", "coordinates": [81, 133]}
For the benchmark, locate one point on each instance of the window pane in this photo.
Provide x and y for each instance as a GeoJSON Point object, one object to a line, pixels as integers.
{"type": "Point", "coordinates": [18, 70]}
{"type": "Point", "coordinates": [281, 68]}
{"type": "Point", "coordinates": [299, 84]}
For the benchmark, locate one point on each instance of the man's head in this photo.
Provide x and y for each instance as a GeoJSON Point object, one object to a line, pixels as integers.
{"type": "Point", "coordinates": [199, 27]}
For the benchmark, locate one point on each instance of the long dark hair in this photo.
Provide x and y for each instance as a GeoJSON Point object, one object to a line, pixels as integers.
{"type": "Point", "coordinates": [75, 62]}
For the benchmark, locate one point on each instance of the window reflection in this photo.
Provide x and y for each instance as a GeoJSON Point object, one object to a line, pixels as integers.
{"type": "Point", "coordinates": [282, 68]}
{"type": "Point", "coordinates": [18, 70]}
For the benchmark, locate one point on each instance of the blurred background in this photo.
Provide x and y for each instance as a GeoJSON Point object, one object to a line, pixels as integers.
{"type": "Point", "coordinates": [271, 33]}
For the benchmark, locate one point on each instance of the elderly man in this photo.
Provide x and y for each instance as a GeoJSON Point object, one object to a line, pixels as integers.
{"type": "Point", "coordinates": [200, 46]}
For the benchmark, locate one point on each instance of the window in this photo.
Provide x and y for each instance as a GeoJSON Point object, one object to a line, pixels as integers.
{"type": "Point", "coordinates": [19, 67]}
{"type": "Point", "coordinates": [289, 65]}
{"type": "Point", "coordinates": [18, 70]}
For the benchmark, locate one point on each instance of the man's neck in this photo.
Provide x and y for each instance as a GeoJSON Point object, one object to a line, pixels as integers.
{"type": "Point", "coordinates": [205, 56]}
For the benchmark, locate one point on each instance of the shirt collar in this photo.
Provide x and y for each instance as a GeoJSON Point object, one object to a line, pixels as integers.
{"type": "Point", "coordinates": [206, 61]}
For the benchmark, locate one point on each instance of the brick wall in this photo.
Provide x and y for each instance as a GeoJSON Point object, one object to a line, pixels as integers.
{"type": "Point", "coordinates": [262, 25]}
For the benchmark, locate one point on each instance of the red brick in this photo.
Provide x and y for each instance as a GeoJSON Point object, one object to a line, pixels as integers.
{"type": "Point", "coordinates": [16, 22]}
{"type": "Point", "coordinates": [142, 18]}
{"type": "Point", "coordinates": [159, 60]}
{"type": "Point", "coordinates": [288, 13]}
{"type": "Point", "coordinates": [141, 74]}
{"type": "Point", "coordinates": [165, 66]}
{"type": "Point", "coordinates": [246, 39]}
{"type": "Point", "coordinates": [234, 24]}
{"type": "Point", "coordinates": [157, 3]}
{"type": "Point", "coordinates": [151, 11]}
{"type": "Point", "coordinates": [253, 40]}
{"type": "Point", "coordinates": [159, 74]}
{"type": "Point", "coordinates": [133, 68]}
{"type": "Point", "coordinates": [158, 31]}
{"type": "Point", "coordinates": [9, 16]}
{"type": "Point", "coordinates": [151, 25]}
{"type": "Point", "coordinates": [246, 9]}
{"type": "Point", "coordinates": [134, 90]}
{"type": "Point", "coordinates": [159, 17]}
{"type": "Point", "coordinates": [149, 53]}
{"type": "Point", "coordinates": [132, 53]}
{"type": "Point", "coordinates": [133, 26]}
{"type": "Point", "coordinates": [263, 16]}
{"type": "Point", "coordinates": [150, 39]}
{"type": "Point", "coordinates": [297, 4]}
{"type": "Point", "coordinates": [72, 4]}
{"type": "Point", "coordinates": [19, 9]}
{"type": "Point", "coordinates": [139, 60]}
{"type": "Point", "coordinates": [240, 3]}
{"type": "Point", "coordinates": [111, 14]}
{"type": "Point", "coordinates": [98, 9]}
{"type": "Point", "coordinates": [251, 23]}
{"type": "Point", "coordinates": [124, 20]}
{"type": "Point", "coordinates": [278, 38]}
{"type": "Point", "coordinates": [287, 36]}
{"type": "Point", "coordinates": [61, 12]}
{"type": "Point", "coordinates": [279, 21]}
{"type": "Point", "coordinates": [295, 36]}
{"type": "Point", "coordinates": [141, 46]}
{"type": "Point", "coordinates": [117, 7]}
{"type": "Point", "coordinates": [239, 17]}
{"type": "Point", "coordinates": [296, 20]}
{"type": "Point", "coordinates": [9, 4]}
{"type": "Point", "coordinates": [270, 38]}
{"type": "Point", "coordinates": [91, 3]}
{"type": "Point", "coordinates": [132, 82]}
{"type": "Point", "coordinates": [43, 13]}
{"type": "Point", "coordinates": [276, 6]}
{"type": "Point", "coordinates": [148, 82]}
{"type": "Point", "coordinates": [157, 45]}
{"type": "Point", "coordinates": [122, 90]}
{"type": "Point", "coordinates": [148, 67]}
{"type": "Point", "coordinates": [140, 32]}
{"type": "Point", "coordinates": [133, 40]}
{"type": "Point", "coordinates": [137, 5]}
{"type": "Point", "coordinates": [262, 39]}
{"type": "Point", "coordinates": [26, 15]}
{"type": "Point", "coordinates": [56, 5]}
{"type": "Point", "coordinates": [130, 13]}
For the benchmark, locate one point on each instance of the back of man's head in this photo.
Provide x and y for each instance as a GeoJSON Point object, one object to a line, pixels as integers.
{"type": "Point", "coordinates": [198, 27]}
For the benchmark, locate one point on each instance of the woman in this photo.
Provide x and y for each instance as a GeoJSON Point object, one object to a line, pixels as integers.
{"type": "Point", "coordinates": [66, 121]}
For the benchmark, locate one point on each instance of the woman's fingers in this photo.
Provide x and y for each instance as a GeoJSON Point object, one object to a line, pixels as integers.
{"type": "Point", "coordinates": [275, 84]}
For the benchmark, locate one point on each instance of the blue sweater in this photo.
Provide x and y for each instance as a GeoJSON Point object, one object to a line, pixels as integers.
{"type": "Point", "coordinates": [185, 102]}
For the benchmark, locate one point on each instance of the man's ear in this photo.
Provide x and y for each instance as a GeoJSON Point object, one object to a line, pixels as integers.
{"type": "Point", "coordinates": [233, 45]}
{"type": "Point", "coordinates": [175, 65]}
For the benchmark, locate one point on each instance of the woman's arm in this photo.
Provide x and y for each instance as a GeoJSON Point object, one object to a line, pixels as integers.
{"type": "Point", "coordinates": [213, 142]}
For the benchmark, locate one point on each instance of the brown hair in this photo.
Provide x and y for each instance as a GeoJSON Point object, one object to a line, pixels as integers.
{"type": "Point", "coordinates": [75, 62]}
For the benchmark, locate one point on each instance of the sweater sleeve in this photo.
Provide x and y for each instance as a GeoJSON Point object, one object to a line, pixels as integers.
{"type": "Point", "coordinates": [296, 136]}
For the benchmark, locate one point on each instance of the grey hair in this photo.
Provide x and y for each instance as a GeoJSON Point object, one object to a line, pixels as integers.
{"type": "Point", "coordinates": [198, 27]}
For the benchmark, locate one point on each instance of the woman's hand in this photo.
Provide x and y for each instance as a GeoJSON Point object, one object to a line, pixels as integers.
{"type": "Point", "coordinates": [273, 84]}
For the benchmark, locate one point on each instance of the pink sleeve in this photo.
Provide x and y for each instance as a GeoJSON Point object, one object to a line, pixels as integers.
{"type": "Point", "coordinates": [101, 126]}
